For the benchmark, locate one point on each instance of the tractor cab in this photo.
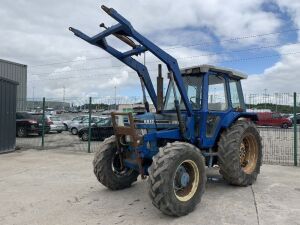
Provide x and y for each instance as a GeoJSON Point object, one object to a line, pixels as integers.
{"type": "Point", "coordinates": [222, 91]}
{"type": "Point", "coordinates": [216, 97]}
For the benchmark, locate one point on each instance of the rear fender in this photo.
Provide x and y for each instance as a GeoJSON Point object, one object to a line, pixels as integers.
{"type": "Point", "coordinates": [230, 118]}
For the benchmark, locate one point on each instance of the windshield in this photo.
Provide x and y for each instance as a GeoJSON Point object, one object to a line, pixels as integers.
{"type": "Point", "coordinates": [104, 122]}
{"type": "Point", "coordinates": [55, 118]}
{"type": "Point", "coordinates": [193, 85]}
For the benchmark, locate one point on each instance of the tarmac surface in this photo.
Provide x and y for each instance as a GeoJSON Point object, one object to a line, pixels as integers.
{"type": "Point", "coordinates": [58, 187]}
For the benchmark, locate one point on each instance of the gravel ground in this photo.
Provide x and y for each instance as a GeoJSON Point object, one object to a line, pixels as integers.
{"type": "Point", "coordinates": [59, 187]}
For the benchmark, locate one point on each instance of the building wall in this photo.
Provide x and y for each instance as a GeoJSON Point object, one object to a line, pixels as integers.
{"type": "Point", "coordinates": [8, 91]}
{"type": "Point", "coordinates": [16, 72]}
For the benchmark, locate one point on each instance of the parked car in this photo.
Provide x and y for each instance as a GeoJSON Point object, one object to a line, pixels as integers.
{"type": "Point", "coordinates": [74, 111]}
{"type": "Point", "coordinates": [273, 119]}
{"type": "Point", "coordinates": [50, 111]}
{"type": "Point", "coordinates": [76, 126]}
{"type": "Point", "coordinates": [27, 124]}
{"type": "Point", "coordinates": [56, 124]}
{"type": "Point", "coordinates": [38, 117]}
{"type": "Point", "coordinates": [99, 130]}
{"type": "Point", "coordinates": [75, 119]}
{"type": "Point", "coordinates": [297, 118]}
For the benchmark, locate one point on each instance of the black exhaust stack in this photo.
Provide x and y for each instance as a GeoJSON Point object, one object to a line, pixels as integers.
{"type": "Point", "coordinates": [160, 90]}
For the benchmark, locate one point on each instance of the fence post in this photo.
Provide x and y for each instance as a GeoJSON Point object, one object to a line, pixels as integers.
{"type": "Point", "coordinates": [43, 124]}
{"type": "Point", "coordinates": [90, 118]}
{"type": "Point", "coordinates": [295, 129]}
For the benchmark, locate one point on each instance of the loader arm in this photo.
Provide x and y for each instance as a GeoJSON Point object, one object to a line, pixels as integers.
{"type": "Point", "coordinates": [124, 31]}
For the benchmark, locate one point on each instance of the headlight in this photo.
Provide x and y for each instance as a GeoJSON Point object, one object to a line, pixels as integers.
{"type": "Point", "coordinates": [141, 132]}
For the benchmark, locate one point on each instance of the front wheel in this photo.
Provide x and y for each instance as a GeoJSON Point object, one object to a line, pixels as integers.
{"type": "Point", "coordinates": [85, 136]}
{"type": "Point", "coordinates": [108, 168]}
{"type": "Point", "coordinates": [74, 131]}
{"type": "Point", "coordinates": [240, 153]}
{"type": "Point", "coordinates": [21, 132]}
{"type": "Point", "coordinates": [177, 178]}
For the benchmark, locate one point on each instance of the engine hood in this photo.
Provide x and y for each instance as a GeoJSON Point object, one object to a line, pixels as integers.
{"type": "Point", "coordinates": [158, 121]}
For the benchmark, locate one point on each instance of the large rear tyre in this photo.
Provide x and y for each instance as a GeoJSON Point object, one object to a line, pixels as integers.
{"type": "Point", "coordinates": [240, 153]}
{"type": "Point", "coordinates": [107, 167]}
{"type": "Point", "coordinates": [177, 178]}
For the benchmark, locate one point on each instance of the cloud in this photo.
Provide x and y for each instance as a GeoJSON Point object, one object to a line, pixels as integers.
{"type": "Point", "coordinates": [292, 9]}
{"type": "Point", "coordinates": [82, 78]}
{"type": "Point", "coordinates": [281, 77]}
{"type": "Point", "coordinates": [235, 18]}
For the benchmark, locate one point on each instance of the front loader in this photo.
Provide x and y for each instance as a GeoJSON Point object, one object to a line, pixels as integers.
{"type": "Point", "coordinates": [200, 122]}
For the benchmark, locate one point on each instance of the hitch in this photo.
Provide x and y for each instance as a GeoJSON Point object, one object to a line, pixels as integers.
{"type": "Point", "coordinates": [122, 131]}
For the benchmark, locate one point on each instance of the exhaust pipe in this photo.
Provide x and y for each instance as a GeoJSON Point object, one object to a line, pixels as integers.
{"type": "Point", "coordinates": [160, 90]}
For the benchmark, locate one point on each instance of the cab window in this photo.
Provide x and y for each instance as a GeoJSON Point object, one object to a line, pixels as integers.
{"type": "Point", "coordinates": [193, 85]}
{"type": "Point", "coordinates": [234, 94]}
{"type": "Point", "coordinates": [217, 98]}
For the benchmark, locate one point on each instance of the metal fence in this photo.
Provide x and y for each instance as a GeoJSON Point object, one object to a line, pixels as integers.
{"type": "Point", "coordinates": [63, 137]}
{"type": "Point", "coordinates": [280, 144]}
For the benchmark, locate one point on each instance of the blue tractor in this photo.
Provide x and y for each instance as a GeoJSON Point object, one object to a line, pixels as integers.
{"type": "Point", "coordinates": [200, 122]}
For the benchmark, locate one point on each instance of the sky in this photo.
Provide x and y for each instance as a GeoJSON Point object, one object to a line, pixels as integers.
{"type": "Point", "coordinates": [258, 37]}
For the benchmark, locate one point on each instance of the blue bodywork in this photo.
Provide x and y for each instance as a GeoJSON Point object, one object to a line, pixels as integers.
{"type": "Point", "coordinates": [168, 131]}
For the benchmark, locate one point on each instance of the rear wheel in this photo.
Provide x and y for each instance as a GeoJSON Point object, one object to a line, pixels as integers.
{"type": "Point", "coordinates": [21, 132]}
{"type": "Point", "coordinates": [85, 136]}
{"type": "Point", "coordinates": [177, 178]}
{"type": "Point", "coordinates": [240, 153]}
{"type": "Point", "coordinates": [74, 131]}
{"type": "Point", "coordinates": [108, 168]}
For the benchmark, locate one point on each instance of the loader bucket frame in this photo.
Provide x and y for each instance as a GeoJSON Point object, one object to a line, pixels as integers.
{"type": "Point", "coordinates": [124, 30]}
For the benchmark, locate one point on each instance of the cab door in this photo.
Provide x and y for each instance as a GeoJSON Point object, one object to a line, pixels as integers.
{"type": "Point", "coordinates": [216, 107]}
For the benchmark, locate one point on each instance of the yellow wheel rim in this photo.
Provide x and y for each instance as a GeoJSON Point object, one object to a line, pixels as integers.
{"type": "Point", "coordinates": [248, 153]}
{"type": "Point", "coordinates": [186, 192]}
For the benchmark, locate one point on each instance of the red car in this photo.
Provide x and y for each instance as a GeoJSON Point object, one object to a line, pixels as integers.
{"type": "Point", "coordinates": [273, 119]}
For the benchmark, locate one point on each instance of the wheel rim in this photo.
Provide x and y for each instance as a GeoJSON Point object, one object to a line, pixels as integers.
{"type": "Point", "coordinates": [248, 153]}
{"type": "Point", "coordinates": [117, 168]}
{"type": "Point", "coordinates": [21, 132]}
{"type": "Point", "coordinates": [74, 131]}
{"type": "Point", "coordinates": [85, 136]}
{"type": "Point", "coordinates": [186, 180]}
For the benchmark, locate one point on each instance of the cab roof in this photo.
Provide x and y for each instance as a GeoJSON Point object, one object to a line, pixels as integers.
{"type": "Point", "coordinates": [205, 68]}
